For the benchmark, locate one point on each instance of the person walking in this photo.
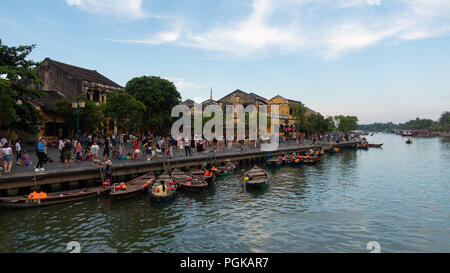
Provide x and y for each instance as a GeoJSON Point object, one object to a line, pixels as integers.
{"type": "Point", "coordinates": [7, 157]}
{"type": "Point", "coordinates": [40, 152]}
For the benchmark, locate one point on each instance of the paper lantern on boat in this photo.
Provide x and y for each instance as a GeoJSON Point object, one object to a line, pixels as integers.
{"type": "Point", "coordinates": [156, 190]}
{"type": "Point", "coordinates": [106, 184]}
{"type": "Point", "coordinates": [118, 187]}
{"type": "Point", "coordinates": [171, 182]}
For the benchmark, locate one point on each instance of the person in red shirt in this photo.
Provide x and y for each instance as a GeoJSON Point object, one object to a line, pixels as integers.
{"type": "Point", "coordinates": [136, 148]}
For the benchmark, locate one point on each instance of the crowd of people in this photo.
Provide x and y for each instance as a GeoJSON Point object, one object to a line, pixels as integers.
{"type": "Point", "coordinates": [93, 148]}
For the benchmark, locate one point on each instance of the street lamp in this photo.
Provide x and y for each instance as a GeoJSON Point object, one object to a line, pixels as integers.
{"type": "Point", "coordinates": [78, 104]}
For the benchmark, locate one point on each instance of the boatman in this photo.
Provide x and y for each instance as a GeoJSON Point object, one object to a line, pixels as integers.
{"type": "Point", "coordinates": [246, 176]}
{"type": "Point", "coordinates": [108, 171]}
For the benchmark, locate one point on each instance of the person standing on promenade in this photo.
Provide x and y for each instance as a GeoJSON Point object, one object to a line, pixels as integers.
{"type": "Point", "coordinates": [136, 148]}
{"type": "Point", "coordinates": [60, 146]}
{"type": "Point", "coordinates": [187, 147]}
{"type": "Point", "coordinates": [18, 149]}
{"type": "Point", "coordinates": [40, 152]}
{"type": "Point", "coordinates": [95, 148]}
{"type": "Point", "coordinates": [67, 153]}
{"type": "Point", "coordinates": [171, 145]}
{"type": "Point", "coordinates": [180, 146]}
{"type": "Point", "coordinates": [7, 157]}
{"type": "Point", "coordinates": [3, 141]}
{"type": "Point", "coordinates": [106, 149]}
{"type": "Point", "coordinates": [78, 149]}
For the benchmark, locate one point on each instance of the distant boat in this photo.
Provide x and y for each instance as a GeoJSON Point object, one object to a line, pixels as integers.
{"type": "Point", "coordinates": [373, 145]}
{"type": "Point", "coordinates": [407, 133]}
{"type": "Point", "coordinates": [409, 141]}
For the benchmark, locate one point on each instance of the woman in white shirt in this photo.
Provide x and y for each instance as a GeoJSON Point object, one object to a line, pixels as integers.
{"type": "Point", "coordinates": [95, 148]}
{"type": "Point", "coordinates": [7, 157]}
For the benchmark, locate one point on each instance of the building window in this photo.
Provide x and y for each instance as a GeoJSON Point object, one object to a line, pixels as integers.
{"type": "Point", "coordinates": [96, 97]}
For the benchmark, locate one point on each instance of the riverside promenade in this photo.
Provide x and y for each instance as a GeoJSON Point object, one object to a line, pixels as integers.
{"type": "Point", "coordinates": [23, 177]}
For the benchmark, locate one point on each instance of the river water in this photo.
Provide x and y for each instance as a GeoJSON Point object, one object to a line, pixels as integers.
{"type": "Point", "coordinates": [397, 196]}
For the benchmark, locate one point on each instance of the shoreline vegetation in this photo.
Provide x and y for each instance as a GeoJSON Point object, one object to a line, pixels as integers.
{"type": "Point", "coordinates": [440, 127]}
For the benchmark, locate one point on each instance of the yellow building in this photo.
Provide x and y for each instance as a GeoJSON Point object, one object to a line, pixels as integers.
{"type": "Point", "coordinates": [287, 121]}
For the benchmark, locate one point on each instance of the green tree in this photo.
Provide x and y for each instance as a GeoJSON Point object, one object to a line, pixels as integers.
{"type": "Point", "coordinates": [299, 111]}
{"type": "Point", "coordinates": [331, 124]}
{"type": "Point", "coordinates": [346, 123]}
{"type": "Point", "coordinates": [418, 124]}
{"type": "Point", "coordinates": [159, 96]}
{"type": "Point", "coordinates": [125, 110]}
{"type": "Point", "coordinates": [16, 111]}
{"type": "Point", "coordinates": [91, 116]}
{"type": "Point", "coordinates": [444, 121]}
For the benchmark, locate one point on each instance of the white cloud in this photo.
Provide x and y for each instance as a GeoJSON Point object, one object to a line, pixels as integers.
{"type": "Point", "coordinates": [327, 28]}
{"type": "Point", "coordinates": [120, 8]}
{"type": "Point", "coordinates": [183, 85]}
{"type": "Point", "coordinates": [373, 2]}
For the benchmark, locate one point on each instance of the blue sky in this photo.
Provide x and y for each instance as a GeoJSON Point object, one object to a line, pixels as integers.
{"type": "Point", "coordinates": [379, 60]}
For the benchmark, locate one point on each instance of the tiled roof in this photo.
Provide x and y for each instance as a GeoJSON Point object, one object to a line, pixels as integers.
{"type": "Point", "coordinates": [83, 73]}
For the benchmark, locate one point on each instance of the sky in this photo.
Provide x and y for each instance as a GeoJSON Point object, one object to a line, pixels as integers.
{"type": "Point", "coordinates": [381, 60]}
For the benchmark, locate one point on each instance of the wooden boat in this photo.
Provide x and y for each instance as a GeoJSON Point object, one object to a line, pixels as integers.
{"type": "Point", "coordinates": [52, 198]}
{"type": "Point", "coordinates": [260, 178]}
{"type": "Point", "coordinates": [133, 188]}
{"type": "Point", "coordinates": [294, 161]}
{"type": "Point", "coordinates": [188, 182]}
{"type": "Point", "coordinates": [409, 141]}
{"type": "Point", "coordinates": [373, 145]}
{"type": "Point", "coordinates": [201, 174]}
{"type": "Point", "coordinates": [334, 150]}
{"type": "Point", "coordinates": [286, 159]}
{"type": "Point", "coordinates": [311, 160]}
{"type": "Point", "coordinates": [223, 170]}
{"type": "Point", "coordinates": [274, 162]}
{"type": "Point", "coordinates": [162, 197]}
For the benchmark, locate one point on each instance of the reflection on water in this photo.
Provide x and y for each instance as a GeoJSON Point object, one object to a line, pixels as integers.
{"type": "Point", "coordinates": [397, 196]}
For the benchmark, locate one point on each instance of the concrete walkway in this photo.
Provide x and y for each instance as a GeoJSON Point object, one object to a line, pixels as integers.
{"type": "Point", "coordinates": [53, 154]}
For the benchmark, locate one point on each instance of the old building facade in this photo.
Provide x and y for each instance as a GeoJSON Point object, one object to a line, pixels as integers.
{"type": "Point", "coordinates": [62, 80]}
